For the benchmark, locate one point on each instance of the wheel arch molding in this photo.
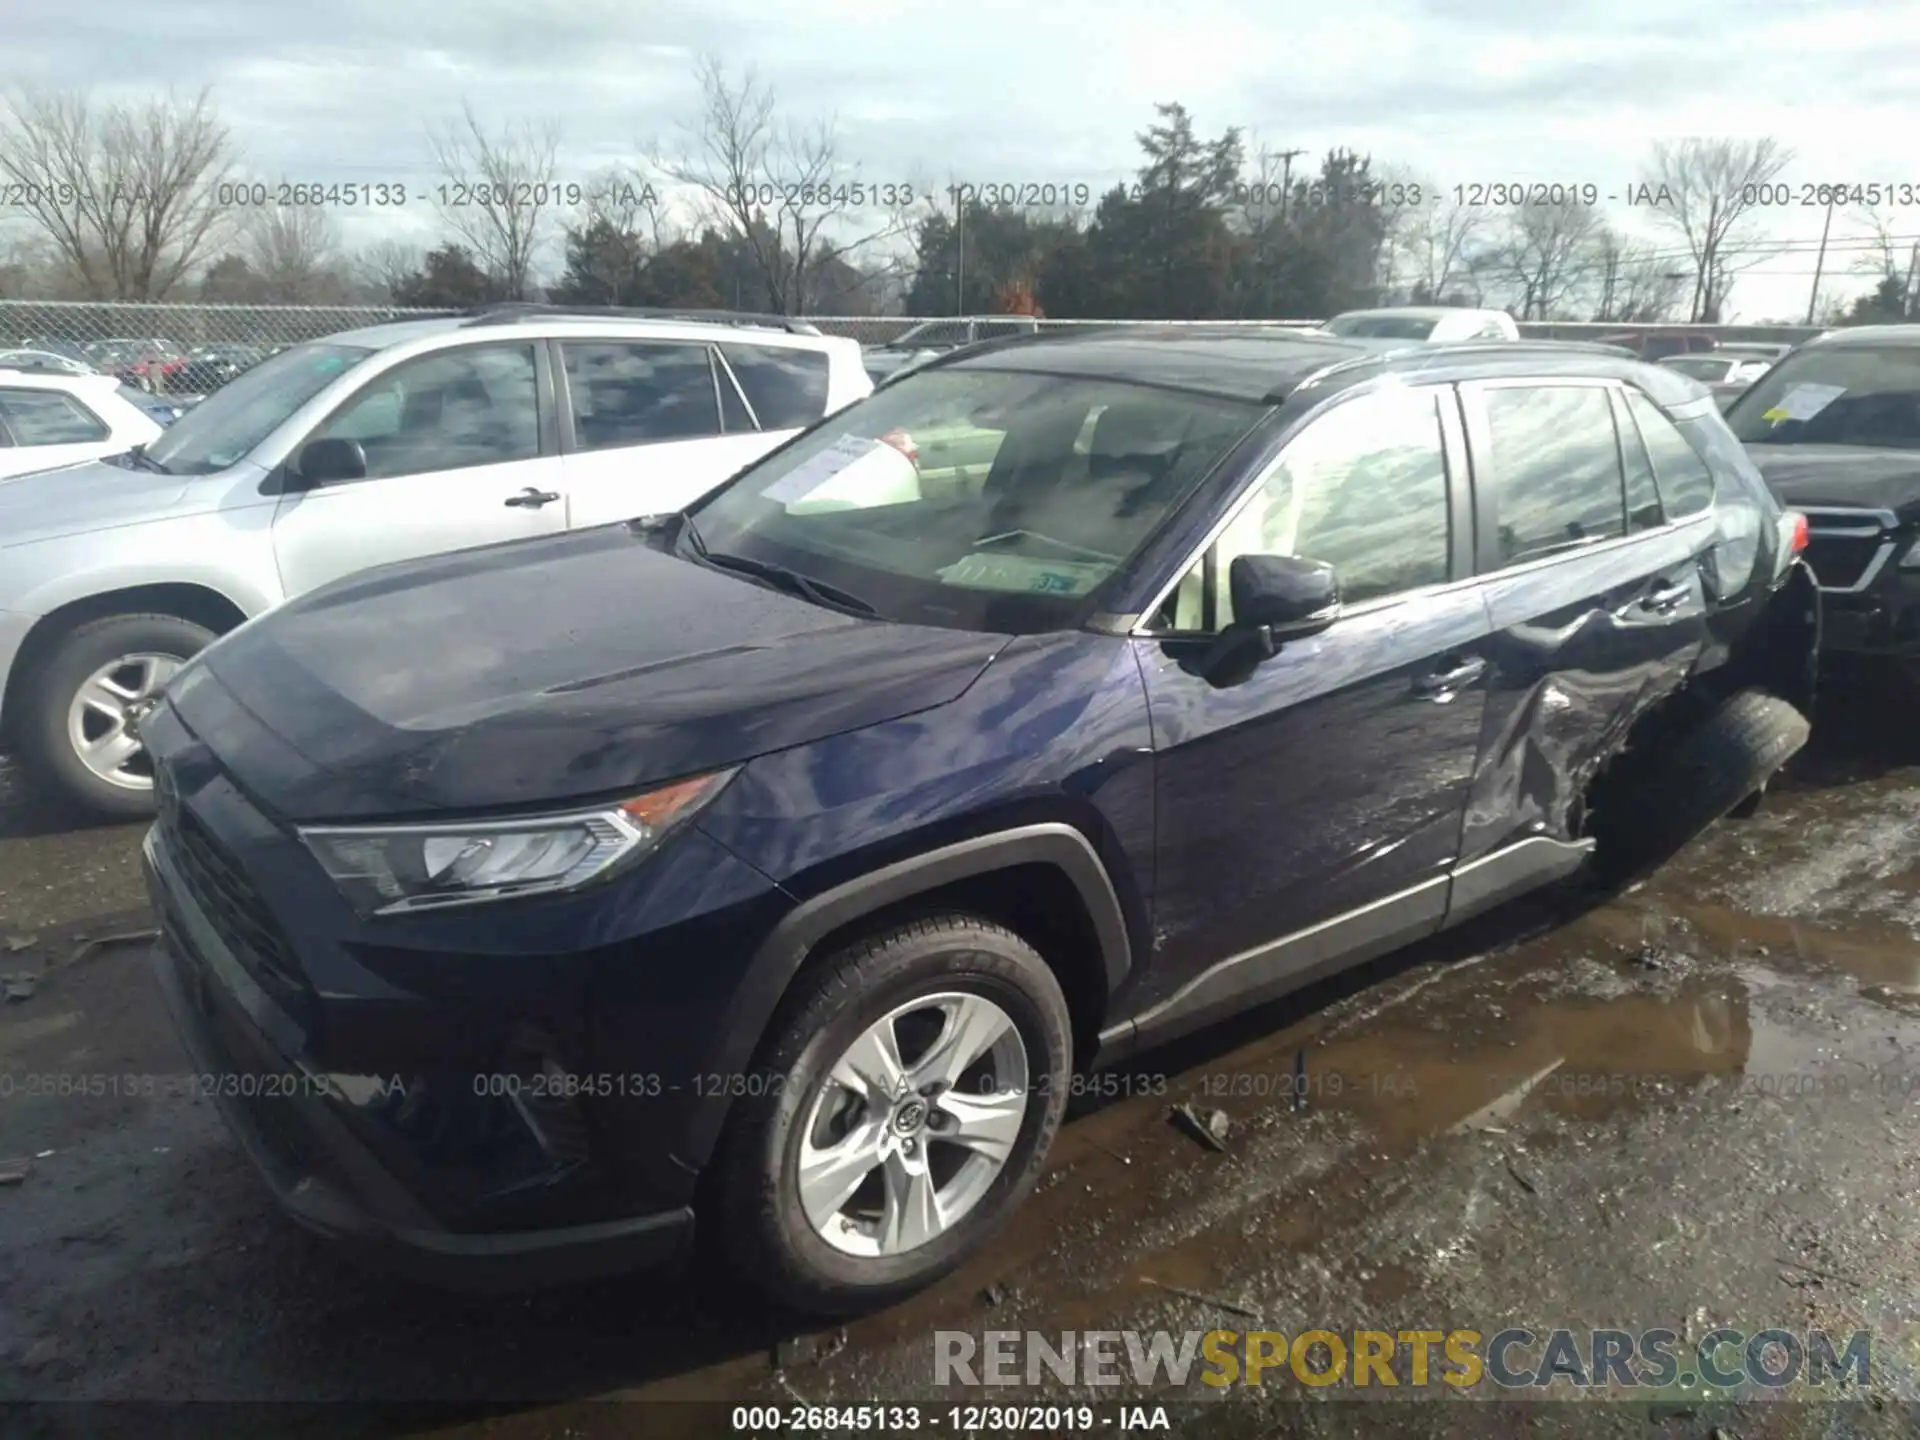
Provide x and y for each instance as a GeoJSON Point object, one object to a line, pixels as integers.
{"type": "Point", "coordinates": [778, 959]}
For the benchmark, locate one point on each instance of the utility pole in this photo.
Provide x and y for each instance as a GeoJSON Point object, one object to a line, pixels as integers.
{"type": "Point", "coordinates": [1913, 272]}
{"type": "Point", "coordinates": [1286, 180]}
{"type": "Point", "coordinates": [960, 267]}
{"type": "Point", "coordinates": [1820, 261]}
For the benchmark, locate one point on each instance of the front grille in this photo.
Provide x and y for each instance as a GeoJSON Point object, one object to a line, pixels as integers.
{"type": "Point", "coordinates": [1846, 548]}
{"type": "Point", "coordinates": [226, 897]}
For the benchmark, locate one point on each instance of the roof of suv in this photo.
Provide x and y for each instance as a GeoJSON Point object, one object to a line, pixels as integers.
{"type": "Point", "coordinates": [546, 322]}
{"type": "Point", "coordinates": [1870, 335]}
{"type": "Point", "coordinates": [1242, 363]}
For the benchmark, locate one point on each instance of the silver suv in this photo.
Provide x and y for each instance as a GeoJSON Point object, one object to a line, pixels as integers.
{"type": "Point", "coordinates": [375, 445]}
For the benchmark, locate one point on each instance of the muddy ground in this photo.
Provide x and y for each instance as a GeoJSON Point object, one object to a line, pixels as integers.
{"type": "Point", "coordinates": [1694, 1103]}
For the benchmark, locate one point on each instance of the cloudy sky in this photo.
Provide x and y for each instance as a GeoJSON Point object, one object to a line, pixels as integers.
{"type": "Point", "coordinates": [1459, 91]}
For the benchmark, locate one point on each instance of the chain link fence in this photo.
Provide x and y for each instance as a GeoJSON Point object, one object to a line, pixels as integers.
{"type": "Point", "coordinates": [129, 338]}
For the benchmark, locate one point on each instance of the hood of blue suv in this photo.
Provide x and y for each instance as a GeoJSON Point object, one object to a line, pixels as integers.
{"type": "Point", "coordinates": [543, 672]}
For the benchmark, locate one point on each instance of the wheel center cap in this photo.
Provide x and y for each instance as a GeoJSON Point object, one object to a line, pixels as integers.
{"type": "Point", "coordinates": [910, 1118]}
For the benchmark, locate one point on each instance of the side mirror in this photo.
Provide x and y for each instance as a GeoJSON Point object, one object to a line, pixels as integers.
{"type": "Point", "coordinates": [1275, 598]}
{"type": "Point", "coordinates": [324, 462]}
{"type": "Point", "coordinates": [1283, 594]}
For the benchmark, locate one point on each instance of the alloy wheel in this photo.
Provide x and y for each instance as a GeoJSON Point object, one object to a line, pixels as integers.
{"type": "Point", "coordinates": [913, 1125]}
{"type": "Point", "coordinates": [104, 713]}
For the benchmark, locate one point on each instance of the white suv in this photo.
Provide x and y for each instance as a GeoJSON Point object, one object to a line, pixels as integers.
{"type": "Point", "coordinates": [47, 420]}
{"type": "Point", "coordinates": [375, 445]}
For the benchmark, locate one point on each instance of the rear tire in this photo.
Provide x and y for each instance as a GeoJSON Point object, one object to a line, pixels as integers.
{"type": "Point", "coordinates": [952, 978]}
{"type": "Point", "coordinates": [1711, 770]}
{"type": "Point", "coordinates": [51, 734]}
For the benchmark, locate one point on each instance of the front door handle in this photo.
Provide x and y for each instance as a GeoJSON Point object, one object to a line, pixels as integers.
{"type": "Point", "coordinates": [532, 499]}
{"type": "Point", "coordinates": [1664, 598]}
{"type": "Point", "coordinates": [1442, 684]}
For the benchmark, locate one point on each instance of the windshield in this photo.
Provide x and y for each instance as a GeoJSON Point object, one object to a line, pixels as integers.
{"type": "Point", "coordinates": [1382, 327]}
{"type": "Point", "coordinates": [977, 499]}
{"type": "Point", "coordinates": [1835, 395]}
{"type": "Point", "coordinates": [1700, 367]}
{"type": "Point", "coordinates": [221, 429]}
{"type": "Point", "coordinates": [932, 332]}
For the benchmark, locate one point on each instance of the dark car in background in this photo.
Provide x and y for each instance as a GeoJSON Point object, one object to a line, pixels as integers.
{"type": "Point", "coordinates": [1835, 428]}
{"type": "Point", "coordinates": [786, 858]}
{"type": "Point", "coordinates": [209, 367]}
{"type": "Point", "coordinates": [1659, 344]}
{"type": "Point", "coordinates": [936, 337]}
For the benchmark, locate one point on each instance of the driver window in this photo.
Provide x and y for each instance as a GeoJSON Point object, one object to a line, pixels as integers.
{"type": "Point", "coordinates": [449, 410]}
{"type": "Point", "coordinates": [1363, 488]}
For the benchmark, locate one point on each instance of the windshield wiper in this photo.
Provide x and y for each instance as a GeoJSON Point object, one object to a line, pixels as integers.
{"type": "Point", "coordinates": [830, 597]}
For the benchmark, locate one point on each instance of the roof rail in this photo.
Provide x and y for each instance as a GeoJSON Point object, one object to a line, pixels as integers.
{"type": "Point", "coordinates": [1444, 350]}
{"type": "Point", "coordinates": [513, 311]}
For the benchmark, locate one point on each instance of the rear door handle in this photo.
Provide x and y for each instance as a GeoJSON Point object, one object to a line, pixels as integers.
{"type": "Point", "coordinates": [532, 499]}
{"type": "Point", "coordinates": [1442, 684]}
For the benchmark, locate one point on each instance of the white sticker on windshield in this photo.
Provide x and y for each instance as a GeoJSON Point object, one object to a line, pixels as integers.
{"type": "Point", "coordinates": [1803, 402]}
{"type": "Point", "coordinates": [809, 475]}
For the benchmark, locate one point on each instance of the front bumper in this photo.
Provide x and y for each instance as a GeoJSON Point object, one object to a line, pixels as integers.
{"type": "Point", "coordinates": [13, 634]}
{"type": "Point", "coordinates": [1869, 600]}
{"type": "Point", "coordinates": [486, 1097]}
{"type": "Point", "coordinates": [282, 1113]}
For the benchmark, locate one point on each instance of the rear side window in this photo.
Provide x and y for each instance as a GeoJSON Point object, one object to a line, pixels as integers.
{"type": "Point", "coordinates": [1643, 494]}
{"type": "Point", "coordinates": [48, 417]}
{"type": "Point", "coordinates": [786, 385]}
{"type": "Point", "coordinates": [1557, 483]}
{"type": "Point", "coordinates": [640, 392]}
{"type": "Point", "coordinates": [1686, 484]}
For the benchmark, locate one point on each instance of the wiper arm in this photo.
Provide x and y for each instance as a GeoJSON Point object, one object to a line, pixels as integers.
{"type": "Point", "coordinates": [831, 597]}
{"type": "Point", "coordinates": [138, 454]}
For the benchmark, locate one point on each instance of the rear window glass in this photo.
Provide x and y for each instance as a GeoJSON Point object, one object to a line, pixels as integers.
{"type": "Point", "coordinates": [786, 385]}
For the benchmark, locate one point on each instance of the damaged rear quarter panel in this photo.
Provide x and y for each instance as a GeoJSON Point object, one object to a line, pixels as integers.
{"type": "Point", "coordinates": [1577, 658]}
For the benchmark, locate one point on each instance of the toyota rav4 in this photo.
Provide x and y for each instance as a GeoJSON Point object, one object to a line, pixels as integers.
{"type": "Point", "coordinates": [778, 859]}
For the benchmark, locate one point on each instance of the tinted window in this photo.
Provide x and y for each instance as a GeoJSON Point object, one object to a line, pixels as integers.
{"type": "Point", "coordinates": [637, 393]}
{"type": "Point", "coordinates": [787, 387]}
{"type": "Point", "coordinates": [1382, 327]}
{"type": "Point", "coordinates": [1686, 484]}
{"type": "Point", "coordinates": [977, 499]}
{"type": "Point", "coordinates": [447, 411]}
{"type": "Point", "coordinates": [224, 427]}
{"type": "Point", "coordinates": [1700, 367]}
{"type": "Point", "coordinates": [1556, 469]}
{"type": "Point", "coordinates": [1835, 395]}
{"type": "Point", "coordinates": [1363, 488]}
{"type": "Point", "coordinates": [1643, 494]}
{"type": "Point", "coordinates": [46, 417]}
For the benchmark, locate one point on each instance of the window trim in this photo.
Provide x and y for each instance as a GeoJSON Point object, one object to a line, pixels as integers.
{"type": "Point", "coordinates": [563, 391]}
{"type": "Point", "coordinates": [1486, 506]}
{"type": "Point", "coordinates": [1460, 519]}
{"type": "Point", "coordinates": [724, 367]}
{"type": "Point", "coordinates": [276, 482]}
{"type": "Point", "coordinates": [73, 402]}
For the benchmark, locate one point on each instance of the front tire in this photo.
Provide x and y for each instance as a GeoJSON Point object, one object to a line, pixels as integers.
{"type": "Point", "coordinates": [76, 703]}
{"type": "Point", "coordinates": [912, 1088]}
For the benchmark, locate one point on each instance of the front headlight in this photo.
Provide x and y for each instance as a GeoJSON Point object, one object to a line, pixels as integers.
{"type": "Point", "coordinates": [388, 869]}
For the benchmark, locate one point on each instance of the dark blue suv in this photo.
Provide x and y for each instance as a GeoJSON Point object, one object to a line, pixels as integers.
{"type": "Point", "coordinates": [783, 859]}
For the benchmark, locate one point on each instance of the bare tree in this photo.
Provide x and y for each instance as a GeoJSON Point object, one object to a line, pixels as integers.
{"type": "Point", "coordinates": [384, 265]}
{"type": "Point", "coordinates": [295, 250]}
{"type": "Point", "coordinates": [498, 192]}
{"type": "Point", "coordinates": [1708, 192]}
{"type": "Point", "coordinates": [1435, 245]}
{"type": "Point", "coordinates": [128, 195]}
{"type": "Point", "coordinates": [781, 189]}
{"type": "Point", "coordinates": [1632, 283]}
{"type": "Point", "coordinates": [1543, 257]}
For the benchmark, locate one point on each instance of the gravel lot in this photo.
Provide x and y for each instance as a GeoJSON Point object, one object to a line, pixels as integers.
{"type": "Point", "coordinates": [1693, 1103]}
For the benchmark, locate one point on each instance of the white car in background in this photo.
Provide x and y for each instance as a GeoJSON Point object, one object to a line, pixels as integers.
{"type": "Point", "coordinates": [50, 420]}
{"type": "Point", "coordinates": [390, 443]}
{"type": "Point", "coordinates": [1433, 324]}
{"type": "Point", "coordinates": [1727, 374]}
